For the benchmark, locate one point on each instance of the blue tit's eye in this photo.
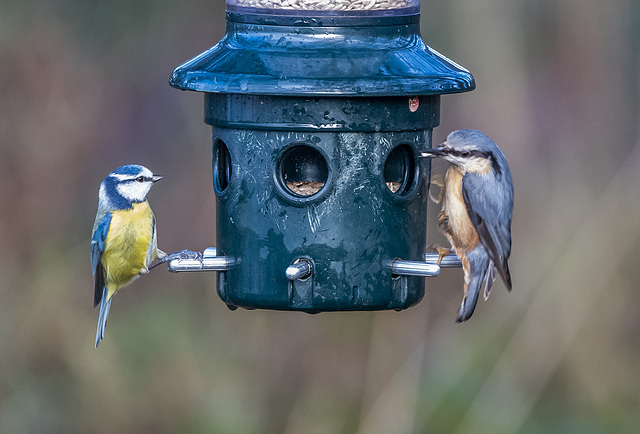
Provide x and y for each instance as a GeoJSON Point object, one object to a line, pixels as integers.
{"type": "Point", "coordinates": [140, 179]}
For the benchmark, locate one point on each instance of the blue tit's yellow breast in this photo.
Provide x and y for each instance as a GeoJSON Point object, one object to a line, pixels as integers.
{"type": "Point", "coordinates": [130, 245]}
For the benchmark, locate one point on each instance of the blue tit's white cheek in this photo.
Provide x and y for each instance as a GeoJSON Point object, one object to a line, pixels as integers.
{"type": "Point", "coordinates": [134, 191]}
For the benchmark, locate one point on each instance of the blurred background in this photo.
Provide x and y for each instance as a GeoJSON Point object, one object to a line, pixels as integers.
{"type": "Point", "coordinates": [84, 89]}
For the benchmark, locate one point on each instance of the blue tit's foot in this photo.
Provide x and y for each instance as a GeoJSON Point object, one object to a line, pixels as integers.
{"type": "Point", "coordinates": [183, 254]}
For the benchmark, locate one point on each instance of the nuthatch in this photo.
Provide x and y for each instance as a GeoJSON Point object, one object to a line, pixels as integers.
{"type": "Point", "coordinates": [477, 205]}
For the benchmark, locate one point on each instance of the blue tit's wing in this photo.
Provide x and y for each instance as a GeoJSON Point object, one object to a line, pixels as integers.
{"type": "Point", "coordinates": [489, 203]}
{"type": "Point", "coordinates": [97, 248]}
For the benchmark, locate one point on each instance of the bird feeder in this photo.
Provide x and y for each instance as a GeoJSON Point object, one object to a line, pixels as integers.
{"type": "Point", "coordinates": [319, 110]}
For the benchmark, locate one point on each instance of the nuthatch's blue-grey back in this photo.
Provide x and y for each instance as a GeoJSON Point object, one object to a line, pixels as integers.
{"type": "Point", "coordinates": [477, 206]}
{"type": "Point", "coordinates": [124, 243]}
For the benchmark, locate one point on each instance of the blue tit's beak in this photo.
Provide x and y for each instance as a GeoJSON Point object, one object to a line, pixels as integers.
{"type": "Point", "coordinates": [156, 178]}
{"type": "Point", "coordinates": [432, 153]}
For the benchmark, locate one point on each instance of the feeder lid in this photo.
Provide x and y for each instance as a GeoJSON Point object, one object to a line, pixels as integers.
{"type": "Point", "coordinates": [322, 53]}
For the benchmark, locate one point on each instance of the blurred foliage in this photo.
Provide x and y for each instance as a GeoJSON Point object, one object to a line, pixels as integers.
{"type": "Point", "coordinates": [83, 89]}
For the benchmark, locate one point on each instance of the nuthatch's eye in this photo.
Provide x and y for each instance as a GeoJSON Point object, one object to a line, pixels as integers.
{"type": "Point", "coordinates": [140, 179]}
{"type": "Point", "coordinates": [465, 153]}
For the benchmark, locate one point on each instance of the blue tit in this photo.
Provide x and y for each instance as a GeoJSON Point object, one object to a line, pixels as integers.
{"type": "Point", "coordinates": [477, 207]}
{"type": "Point", "coordinates": [124, 241]}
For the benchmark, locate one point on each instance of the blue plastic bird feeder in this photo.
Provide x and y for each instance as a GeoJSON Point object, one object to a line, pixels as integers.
{"type": "Point", "coordinates": [319, 110]}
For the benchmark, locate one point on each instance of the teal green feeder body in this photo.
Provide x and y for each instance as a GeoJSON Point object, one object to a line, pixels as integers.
{"type": "Point", "coordinates": [318, 119]}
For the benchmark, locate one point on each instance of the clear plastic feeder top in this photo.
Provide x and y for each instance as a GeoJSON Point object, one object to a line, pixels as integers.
{"type": "Point", "coordinates": [326, 7]}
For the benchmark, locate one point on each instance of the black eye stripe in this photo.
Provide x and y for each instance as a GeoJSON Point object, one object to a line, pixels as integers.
{"type": "Point", "coordinates": [476, 153]}
{"type": "Point", "coordinates": [473, 153]}
{"type": "Point", "coordinates": [138, 179]}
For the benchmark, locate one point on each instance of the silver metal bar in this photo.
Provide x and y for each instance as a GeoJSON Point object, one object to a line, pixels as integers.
{"type": "Point", "coordinates": [299, 270]}
{"type": "Point", "coordinates": [414, 268]}
{"type": "Point", "coordinates": [210, 252]}
{"type": "Point", "coordinates": [209, 262]}
{"type": "Point", "coordinates": [448, 261]}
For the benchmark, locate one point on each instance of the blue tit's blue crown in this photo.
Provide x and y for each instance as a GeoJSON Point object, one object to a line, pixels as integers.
{"type": "Point", "coordinates": [129, 169]}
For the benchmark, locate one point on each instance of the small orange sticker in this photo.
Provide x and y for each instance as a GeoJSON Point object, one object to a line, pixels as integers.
{"type": "Point", "coordinates": [414, 103]}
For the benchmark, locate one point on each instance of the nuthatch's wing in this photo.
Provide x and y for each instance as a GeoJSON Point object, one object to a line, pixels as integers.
{"type": "Point", "coordinates": [479, 269]}
{"type": "Point", "coordinates": [489, 205]}
{"type": "Point", "coordinates": [97, 248]}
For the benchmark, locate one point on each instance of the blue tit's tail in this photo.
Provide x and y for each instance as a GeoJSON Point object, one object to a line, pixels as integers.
{"type": "Point", "coordinates": [105, 305]}
{"type": "Point", "coordinates": [479, 267]}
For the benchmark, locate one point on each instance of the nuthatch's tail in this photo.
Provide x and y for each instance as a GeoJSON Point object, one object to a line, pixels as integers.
{"type": "Point", "coordinates": [479, 267]}
{"type": "Point", "coordinates": [105, 305]}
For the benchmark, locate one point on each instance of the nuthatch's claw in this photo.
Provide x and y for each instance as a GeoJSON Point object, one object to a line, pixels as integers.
{"type": "Point", "coordinates": [441, 251]}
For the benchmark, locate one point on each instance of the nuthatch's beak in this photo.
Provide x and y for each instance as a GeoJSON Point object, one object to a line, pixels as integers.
{"type": "Point", "coordinates": [433, 153]}
{"type": "Point", "coordinates": [156, 178]}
